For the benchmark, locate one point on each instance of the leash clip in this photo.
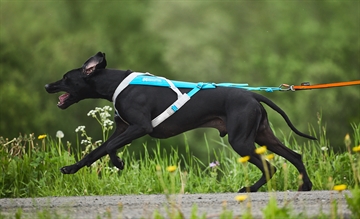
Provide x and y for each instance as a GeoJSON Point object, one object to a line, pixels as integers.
{"type": "Point", "coordinates": [286, 87]}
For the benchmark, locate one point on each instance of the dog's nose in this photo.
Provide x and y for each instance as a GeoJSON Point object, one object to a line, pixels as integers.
{"type": "Point", "coordinates": [47, 86]}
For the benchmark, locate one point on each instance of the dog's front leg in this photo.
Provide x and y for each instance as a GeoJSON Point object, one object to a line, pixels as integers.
{"type": "Point", "coordinates": [98, 152]}
{"type": "Point", "coordinates": [131, 133]}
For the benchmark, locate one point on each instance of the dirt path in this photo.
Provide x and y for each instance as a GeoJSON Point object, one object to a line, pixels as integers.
{"type": "Point", "coordinates": [144, 206]}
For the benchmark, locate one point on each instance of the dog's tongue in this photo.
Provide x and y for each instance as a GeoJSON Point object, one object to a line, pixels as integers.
{"type": "Point", "coordinates": [62, 98]}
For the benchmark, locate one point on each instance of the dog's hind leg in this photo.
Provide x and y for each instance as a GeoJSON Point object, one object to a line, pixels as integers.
{"type": "Point", "coordinates": [242, 129]}
{"type": "Point", "coordinates": [265, 136]}
{"type": "Point", "coordinates": [98, 152]}
{"type": "Point", "coordinates": [256, 160]}
{"type": "Point", "coordinates": [248, 149]}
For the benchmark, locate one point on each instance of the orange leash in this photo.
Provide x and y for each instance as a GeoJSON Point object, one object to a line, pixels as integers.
{"type": "Point", "coordinates": [307, 86]}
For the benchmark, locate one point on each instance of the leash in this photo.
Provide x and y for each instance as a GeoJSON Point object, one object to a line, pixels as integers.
{"type": "Point", "coordinates": [151, 80]}
{"type": "Point", "coordinates": [307, 86]}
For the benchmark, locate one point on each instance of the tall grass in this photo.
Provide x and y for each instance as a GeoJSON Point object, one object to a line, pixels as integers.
{"type": "Point", "coordinates": [30, 168]}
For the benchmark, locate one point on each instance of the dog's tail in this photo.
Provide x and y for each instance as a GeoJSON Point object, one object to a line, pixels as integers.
{"type": "Point", "coordinates": [273, 106]}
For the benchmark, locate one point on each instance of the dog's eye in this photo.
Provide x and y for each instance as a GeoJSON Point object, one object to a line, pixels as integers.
{"type": "Point", "coordinates": [65, 77]}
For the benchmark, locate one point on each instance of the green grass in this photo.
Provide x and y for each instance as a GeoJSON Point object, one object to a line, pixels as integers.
{"type": "Point", "coordinates": [30, 168]}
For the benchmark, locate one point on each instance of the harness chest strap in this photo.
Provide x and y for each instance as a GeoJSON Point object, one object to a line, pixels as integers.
{"type": "Point", "coordinates": [182, 98]}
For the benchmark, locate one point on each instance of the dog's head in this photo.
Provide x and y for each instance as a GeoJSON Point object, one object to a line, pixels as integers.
{"type": "Point", "coordinates": [76, 83]}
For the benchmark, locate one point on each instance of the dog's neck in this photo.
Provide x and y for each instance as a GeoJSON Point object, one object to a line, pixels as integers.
{"type": "Point", "coordinates": [106, 82]}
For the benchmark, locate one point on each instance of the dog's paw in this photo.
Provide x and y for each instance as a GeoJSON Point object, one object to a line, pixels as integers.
{"type": "Point", "coordinates": [121, 165]}
{"type": "Point", "coordinates": [117, 162]}
{"type": "Point", "coordinates": [305, 187]}
{"type": "Point", "coordinates": [69, 169]}
{"type": "Point", "coordinates": [244, 189]}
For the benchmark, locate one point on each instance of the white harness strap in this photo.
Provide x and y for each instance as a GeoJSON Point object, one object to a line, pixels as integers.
{"type": "Point", "coordinates": [170, 110]}
{"type": "Point", "coordinates": [124, 84]}
{"type": "Point", "coordinates": [182, 98]}
{"type": "Point", "coordinates": [172, 86]}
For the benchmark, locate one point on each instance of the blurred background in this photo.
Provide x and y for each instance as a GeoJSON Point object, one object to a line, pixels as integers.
{"type": "Point", "coordinates": [262, 43]}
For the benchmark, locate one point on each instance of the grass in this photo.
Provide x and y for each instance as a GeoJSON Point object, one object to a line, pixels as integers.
{"type": "Point", "coordinates": [30, 168]}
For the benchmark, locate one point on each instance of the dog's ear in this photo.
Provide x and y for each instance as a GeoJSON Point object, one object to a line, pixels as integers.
{"type": "Point", "coordinates": [97, 61]}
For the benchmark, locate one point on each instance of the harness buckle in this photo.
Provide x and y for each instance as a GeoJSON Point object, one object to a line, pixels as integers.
{"type": "Point", "coordinates": [200, 85]}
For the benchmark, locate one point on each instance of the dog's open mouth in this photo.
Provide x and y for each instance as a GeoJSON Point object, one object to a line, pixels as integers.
{"type": "Point", "coordinates": [62, 99]}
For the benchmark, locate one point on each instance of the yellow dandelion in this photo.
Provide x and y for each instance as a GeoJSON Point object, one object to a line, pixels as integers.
{"type": "Point", "coordinates": [356, 149]}
{"type": "Point", "coordinates": [260, 150]}
{"type": "Point", "coordinates": [347, 140]}
{"type": "Point", "coordinates": [171, 168]}
{"type": "Point", "coordinates": [270, 156]}
{"type": "Point", "coordinates": [243, 159]}
{"type": "Point", "coordinates": [224, 204]}
{"type": "Point", "coordinates": [340, 187]}
{"type": "Point", "coordinates": [248, 205]}
{"type": "Point", "coordinates": [241, 198]}
{"type": "Point", "coordinates": [158, 168]}
{"type": "Point", "coordinates": [330, 179]}
{"type": "Point", "coordinates": [120, 206]}
{"type": "Point", "coordinates": [41, 137]}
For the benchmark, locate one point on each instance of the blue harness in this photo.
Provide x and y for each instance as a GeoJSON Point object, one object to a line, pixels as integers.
{"type": "Point", "coordinates": [151, 80]}
{"type": "Point", "coordinates": [147, 79]}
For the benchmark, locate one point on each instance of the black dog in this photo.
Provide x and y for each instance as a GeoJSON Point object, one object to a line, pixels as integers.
{"type": "Point", "coordinates": [232, 111]}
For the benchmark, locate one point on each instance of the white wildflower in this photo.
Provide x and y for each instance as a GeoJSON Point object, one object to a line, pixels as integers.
{"type": "Point", "coordinates": [108, 122]}
{"type": "Point", "coordinates": [92, 113]}
{"type": "Point", "coordinates": [111, 169]}
{"type": "Point", "coordinates": [98, 109]}
{"type": "Point", "coordinates": [59, 134]}
{"type": "Point", "coordinates": [80, 129]}
{"type": "Point", "coordinates": [107, 108]}
{"type": "Point", "coordinates": [85, 142]}
{"type": "Point", "coordinates": [104, 115]}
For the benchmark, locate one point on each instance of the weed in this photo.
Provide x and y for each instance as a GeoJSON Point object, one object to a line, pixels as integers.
{"type": "Point", "coordinates": [354, 202]}
{"type": "Point", "coordinates": [273, 211]}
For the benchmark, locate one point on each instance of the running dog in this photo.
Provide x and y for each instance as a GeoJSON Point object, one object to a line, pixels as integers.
{"type": "Point", "coordinates": [235, 112]}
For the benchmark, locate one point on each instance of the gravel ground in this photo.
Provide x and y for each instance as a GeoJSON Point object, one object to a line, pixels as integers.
{"type": "Point", "coordinates": [144, 206]}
